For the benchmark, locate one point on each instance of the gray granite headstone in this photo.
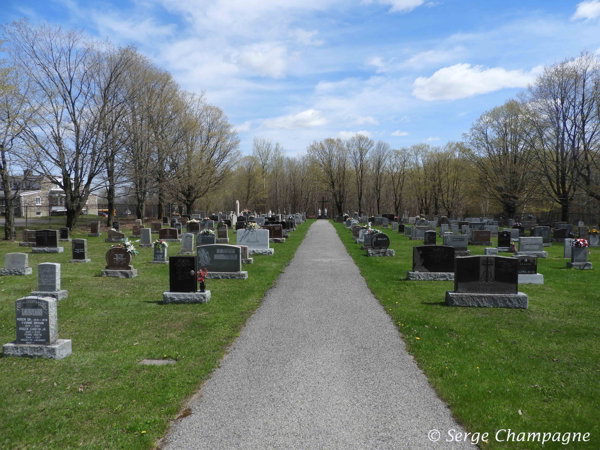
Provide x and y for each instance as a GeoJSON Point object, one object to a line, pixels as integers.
{"type": "Point", "coordinates": [567, 251]}
{"type": "Point", "coordinates": [16, 261]}
{"type": "Point", "coordinates": [219, 257]}
{"type": "Point", "coordinates": [206, 239]}
{"type": "Point", "coordinates": [145, 237]}
{"type": "Point", "coordinates": [187, 243]}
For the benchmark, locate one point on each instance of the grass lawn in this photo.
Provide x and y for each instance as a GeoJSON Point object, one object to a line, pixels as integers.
{"type": "Point", "coordinates": [100, 397]}
{"type": "Point", "coordinates": [534, 370]}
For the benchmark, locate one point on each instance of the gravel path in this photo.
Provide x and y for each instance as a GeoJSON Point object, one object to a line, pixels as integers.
{"type": "Point", "coordinates": [320, 365]}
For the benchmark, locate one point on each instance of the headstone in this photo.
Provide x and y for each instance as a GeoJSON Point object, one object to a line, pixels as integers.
{"type": "Point", "coordinates": [481, 238]}
{"type": "Point", "coordinates": [528, 271]}
{"type": "Point", "coordinates": [168, 234]}
{"type": "Point", "coordinates": [207, 224]}
{"type": "Point", "coordinates": [178, 226]}
{"type": "Point", "coordinates": [165, 220]}
{"type": "Point", "coordinates": [94, 229]}
{"type": "Point", "coordinates": [160, 253]}
{"type": "Point", "coordinates": [114, 236]}
{"type": "Point", "coordinates": [146, 237]}
{"type": "Point", "coordinates": [504, 238]}
{"type": "Point", "coordinates": [490, 251]}
{"type": "Point", "coordinates": [156, 227]}
{"type": "Point", "coordinates": [432, 263]}
{"type": "Point", "coordinates": [443, 229]}
{"type": "Point", "coordinates": [79, 251]}
{"type": "Point", "coordinates": [221, 260]}
{"type": "Point", "coordinates": [560, 234]}
{"type": "Point", "coordinates": [408, 230]}
{"type": "Point", "coordinates": [118, 264]}
{"type": "Point", "coordinates": [37, 330]}
{"type": "Point", "coordinates": [544, 232]}
{"type": "Point", "coordinates": [380, 246]}
{"type": "Point", "coordinates": [532, 246]}
{"type": "Point", "coordinates": [49, 282]}
{"type": "Point", "coordinates": [367, 236]}
{"type": "Point", "coordinates": [64, 234]}
{"type": "Point", "coordinates": [138, 222]}
{"type": "Point", "coordinates": [16, 264]}
{"type": "Point", "coordinates": [206, 239]}
{"type": "Point", "coordinates": [486, 281]}
{"type": "Point", "coordinates": [460, 242]}
{"type": "Point", "coordinates": [430, 238]}
{"type": "Point", "coordinates": [182, 274]}
{"type": "Point", "coordinates": [28, 239]}
{"type": "Point", "coordinates": [245, 256]}
{"type": "Point", "coordinates": [579, 257]}
{"type": "Point", "coordinates": [594, 240]}
{"type": "Point", "coordinates": [222, 234]}
{"type": "Point", "coordinates": [515, 233]}
{"type": "Point", "coordinates": [193, 227]}
{"type": "Point", "coordinates": [117, 226]}
{"type": "Point", "coordinates": [568, 246]}
{"type": "Point", "coordinates": [187, 244]}
{"type": "Point", "coordinates": [275, 232]}
{"type": "Point", "coordinates": [256, 240]}
{"type": "Point", "coordinates": [46, 238]}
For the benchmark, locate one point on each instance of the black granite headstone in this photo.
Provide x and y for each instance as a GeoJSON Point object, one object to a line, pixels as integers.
{"type": "Point", "coordinates": [34, 321]}
{"type": "Point", "coordinates": [46, 238]}
{"type": "Point", "coordinates": [182, 274]}
{"type": "Point", "coordinates": [433, 258]}
{"type": "Point", "coordinates": [117, 226]}
{"type": "Point", "coordinates": [401, 228]}
{"type": "Point", "coordinates": [380, 241]}
{"type": "Point", "coordinates": [165, 220]}
{"type": "Point", "coordinates": [527, 264]}
{"type": "Point", "coordinates": [79, 249]}
{"type": "Point", "coordinates": [504, 239]}
{"type": "Point", "coordinates": [64, 233]}
{"type": "Point", "coordinates": [560, 233]}
{"type": "Point", "coordinates": [486, 275]}
{"type": "Point", "coordinates": [430, 238]}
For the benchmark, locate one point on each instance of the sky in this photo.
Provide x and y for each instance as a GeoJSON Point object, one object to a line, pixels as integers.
{"type": "Point", "coordinates": [295, 71]}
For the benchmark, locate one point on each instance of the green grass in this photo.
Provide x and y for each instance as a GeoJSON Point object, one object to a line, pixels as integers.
{"type": "Point", "coordinates": [100, 397]}
{"type": "Point", "coordinates": [534, 370]}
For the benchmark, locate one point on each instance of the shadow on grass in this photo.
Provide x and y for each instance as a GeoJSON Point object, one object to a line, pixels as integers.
{"type": "Point", "coordinates": [434, 303]}
{"type": "Point", "coordinates": [156, 302]}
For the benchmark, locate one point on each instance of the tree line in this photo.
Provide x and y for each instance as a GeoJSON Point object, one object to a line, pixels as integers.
{"type": "Point", "coordinates": [96, 118]}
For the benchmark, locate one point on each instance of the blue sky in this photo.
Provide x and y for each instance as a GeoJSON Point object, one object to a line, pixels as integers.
{"type": "Point", "coordinates": [294, 71]}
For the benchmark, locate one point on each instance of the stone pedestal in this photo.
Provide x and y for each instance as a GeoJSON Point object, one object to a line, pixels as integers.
{"type": "Point", "coordinates": [163, 262]}
{"type": "Point", "coordinates": [261, 251]}
{"type": "Point", "coordinates": [531, 278]}
{"type": "Point", "coordinates": [248, 261]}
{"type": "Point", "coordinates": [26, 244]}
{"type": "Point", "coordinates": [48, 250]}
{"type": "Point", "coordinates": [243, 275]}
{"type": "Point", "coordinates": [504, 249]}
{"type": "Point", "coordinates": [80, 260]}
{"type": "Point", "coordinates": [223, 240]}
{"type": "Point", "coordinates": [58, 295]}
{"type": "Point", "coordinates": [579, 265]}
{"type": "Point", "coordinates": [187, 297]}
{"type": "Point", "coordinates": [517, 301]}
{"type": "Point", "coordinates": [381, 252]}
{"type": "Point", "coordinates": [462, 253]}
{"type": "Point", "coordinates": [59, 350]}
{"type": "Point", "coordinates": [430, 276]}
{"type": "Point", "coordinates": [5, 272]}
{"type": "Point", "coordinates": [119, 273]}
{"type": "Point", "coordinates": [536, 254]}
{"type": "Point", "coordinates": [276, 240]}
{"type": "Point", "coordinates": [145, 245]}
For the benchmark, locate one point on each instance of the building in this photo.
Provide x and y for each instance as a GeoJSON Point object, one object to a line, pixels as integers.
{"type": "Point", "coordinates": [39, 196]}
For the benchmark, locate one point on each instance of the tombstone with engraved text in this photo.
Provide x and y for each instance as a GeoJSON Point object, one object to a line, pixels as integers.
{"type": "Point", "coordinates": [486, 281]}
{"type": "Point", "coordinates": [528, 271]}
{"type": "Point", "coordinates": [46, 241]}
{"type": "Point", "coordinates": [64, 234]}
{"type": "Point", "coordinates": [183, 285]}
{"type": "Point", "coordinates": [222, 261]}
{"type": "Point", "coordinates": [49, 282]}
{"type": "Point", "coordinates": [504, 238]}
{"type": "Point", "coordinates": [380, 246]}
{"type": "Point", "coordinates": [118, 264]}
{"type": "Point", "coordinates": [79, 252]}
{"type": "Point", "coordinates": [432, 263]}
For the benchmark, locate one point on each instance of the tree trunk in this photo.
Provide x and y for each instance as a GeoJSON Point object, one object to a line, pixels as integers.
{"type": "Point", "coordinates": [9, 218]}
{"type": "Point", "coordinates": [565, 210]}
{"type": "Point", "coordinates": [140, 209]}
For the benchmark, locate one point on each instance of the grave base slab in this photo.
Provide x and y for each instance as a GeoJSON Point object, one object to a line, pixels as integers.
{"type": "Point", "coordinates": [65, 240]}
{"type": "Point", "coordinates": [504, 249]}
{"type": "Point", "coordinates": [61, 349]}
{"type": "Point", "coordinates": [243, 275]}
{"type": "Point", "coordinates": [248, 261]}
{"type": "Point", "coordinates": [158, 262]}
{"type": "Point", "coordinates": [26, 244]}
{"type": "Point", "coordinates": [119, 273]}
{"type": "Point", "coordinates": [579, 265]}
{"type": "Point", "coordinates": [488, 243]}
{"type": "Point", "coordinates": [276, 241]}
{"type": "Point", "coordinates": [222, 240]}
{"type": "Point", "coordinates": [19, 272]}
{"type": "Point", "coordinates": [47, 250]}
{"type": "Point", "coordinates": [113, 241]}
{"type": "Point", "coordinates": [430, 276]}
{"type": "Point", "coordinates": [187, 297]}
{"type": "Point", "coordinates": [80, 260]}
{"type": "Point", "coordinates": [515, 301]}
{"type": "Point", "coordinates": [536, 254]}
{"type": "Point", "coordinates": [58, 295]}
{"type": "Point", "coordinates": [94, 234]}
{"type": "Point", "coordinates": [145, 245]}
{"type": "Point", "coordinates": [381, 252]}
{"type": "Point", "coordinates": [462, 253]}
{"type": "Point", "coordinates": [548, 244]}
{"type": "Point", "coordinates": [171, 240]}
{"type": "Point", "coordinates": [261, 251]}
{"type": "Point", "coordinates": [531, 278]}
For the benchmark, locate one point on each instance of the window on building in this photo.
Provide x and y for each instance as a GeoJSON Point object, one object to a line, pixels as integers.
{"type": "Point", "coordinates": [38, 201]}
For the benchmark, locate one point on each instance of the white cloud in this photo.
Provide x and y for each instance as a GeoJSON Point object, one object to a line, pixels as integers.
{"type": "Point", "coordinates": [587, 10]}
{"type": "Point", "coordinates": [305, 119]}
{"type": "Point", "coordinates": [433, 139]}
{"type": "Point", "coordinates": [305, 37]}
{"type": "Point", "coordinates": [361, 120]}
{"type": "Point", "coordinates": [399, 133]}
{"type": "Point", "coordinates": [432, 4]}
{"type": "Point", "coordinates": [265, 59]}
{"type": "Point", "coordinates": [133, 30]}
{"type": "Point", "coordinates": [377, 61]}
{"type": "Point", "coordinates": [464, 80]}
{"type": "Point", "coordinates": [350, 134]}
{"type": "Point", "coordinates": [433, 57]}
{"type": "Point", "coordinates": [403, 6]}
{"type": "Point", "coordinates": [243, 128]}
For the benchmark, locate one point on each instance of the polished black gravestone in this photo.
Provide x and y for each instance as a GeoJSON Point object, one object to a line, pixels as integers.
{"type": "Point", "coordinates": [528, 271]}
{"type": "Point", "coordinates": [430, 238]}
{"type": "Point", "coordinates": [64, 234]}
{"type": "Point", "coordinates": [46, 241]}
{"type": "Point", "coordinates": [432, 263]}
{"type": "Point", "coordinates": [486, 281]}
{"type": "Point", "coordinates": [79, 251]}
{"type": "Point", "coordinates": [504, 241]}
{"type": "Point", "coordinates": [183, 282]}
{"type": "Point", "coordinates": [380, 246]}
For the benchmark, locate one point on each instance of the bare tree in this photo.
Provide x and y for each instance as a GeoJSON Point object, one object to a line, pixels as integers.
{"type": "Point", "coordinates": [331, 157]}
{"type": "Point", "coordinates": [501, 155]}
{"type": "Point", "coordinates": [379, 163]}
{"type": "Point", "coordinates": [397, 171]}
{"type": "Point", "coordinates": [422, 177]}
{"type": "Point", "coordinates": [359, 147]}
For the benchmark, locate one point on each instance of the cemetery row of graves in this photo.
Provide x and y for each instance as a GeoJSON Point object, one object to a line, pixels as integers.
{"type": "Point", "coordinates": [502, 321]}
{"type": "Point", "coordinates": [121, 324]}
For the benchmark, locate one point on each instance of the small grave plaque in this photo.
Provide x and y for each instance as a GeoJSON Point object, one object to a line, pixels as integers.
{"type": "Point", "coordinates": [95, 227]}
{"type": "Point", "coordinates": [136, 230]}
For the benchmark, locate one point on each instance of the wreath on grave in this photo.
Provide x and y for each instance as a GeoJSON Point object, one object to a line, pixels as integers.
{"type": "Point", "coordinates": [161, 243]}
{"type": "Point", "coordinates": [252, 226]}
{"type": "Point", "coordinates": [580, 243]}
{"type": "Point", "coordinates": [207, 231]}
{"type": "Point", "coordinates": [127, 245]}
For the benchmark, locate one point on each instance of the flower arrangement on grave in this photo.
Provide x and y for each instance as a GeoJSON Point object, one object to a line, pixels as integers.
{"type": "Point", "coordinates": [580, 243]}
{"type": "Point", "coordinates": [593, 231]}
{"type": "Point", "coordinates": [193, 221]}
{"type": "Point", "coordinates": [207, 231]}
{"type": "Point", "coordinates": [127, 245]}
{"type": "Point", "coordinates": [160, 243]}
{"type": "Point", "coordinates": [252, 226]}
{"type": "Point", "coordinates": [200, 277]}
{"type": "Point", "coordinates": [517, 225]}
